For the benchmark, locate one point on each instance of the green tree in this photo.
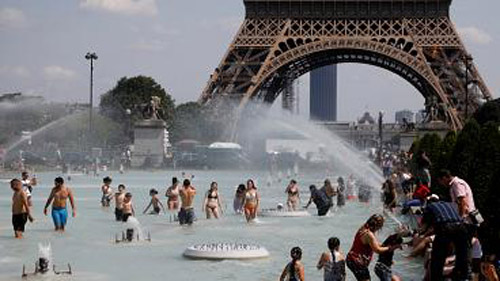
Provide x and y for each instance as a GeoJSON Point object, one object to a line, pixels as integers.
{"type": "Point", "coordinates": [463, 157]}
{"type": "Point", "coordinates": [131, 93]}
{"type": "Point", "coordinates": [445, 151]}
{"type": "Point", "coordinates": [188, 123]}
{"type": "Point", "coordinates": [489, 112]}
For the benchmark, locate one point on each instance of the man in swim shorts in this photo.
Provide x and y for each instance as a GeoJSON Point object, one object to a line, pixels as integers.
{"type": "Point", "coordinates": [20, 209]}
{"type": "Point", "coordinates": [58, 197]}
{"type": "Point", "coordinates": [187, 193]}
{"type": "Point", "coordinates": [119, 197]}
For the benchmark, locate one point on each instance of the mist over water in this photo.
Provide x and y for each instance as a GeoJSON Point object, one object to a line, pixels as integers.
{"type": "Point", "coordinates": [64, 121]}
{"type": "Point", "coordinates": [340, 157]}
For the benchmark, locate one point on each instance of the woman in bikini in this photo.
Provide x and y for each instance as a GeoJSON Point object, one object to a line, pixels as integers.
{"type": "Point", "coordinates": [212, 205]}
{"type": "Point", "coordinates": [252, 200]}
{"type": "Point", "coordinates": [293, 196]}
{"type": "Point", "coordinates": [173, 195]}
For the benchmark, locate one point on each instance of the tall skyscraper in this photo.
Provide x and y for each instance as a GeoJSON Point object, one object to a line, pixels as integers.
{"type": "Point", "coordinates": [323, 94]}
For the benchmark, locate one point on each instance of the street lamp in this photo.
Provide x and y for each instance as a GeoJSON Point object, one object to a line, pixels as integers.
{"type": "Point", "coordinates": [91, 57]}
{"type": "Point", "coordinates": [380, 135]}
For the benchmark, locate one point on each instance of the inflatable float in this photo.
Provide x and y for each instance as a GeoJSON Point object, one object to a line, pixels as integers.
{"type": "Point", "coordinates": [223, 251]}
{"type": "Point", "coordinates": [284, 213]}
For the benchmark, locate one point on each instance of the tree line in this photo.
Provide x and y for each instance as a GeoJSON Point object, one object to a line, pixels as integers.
{"type": "Point", "coordinates": [472, 154]}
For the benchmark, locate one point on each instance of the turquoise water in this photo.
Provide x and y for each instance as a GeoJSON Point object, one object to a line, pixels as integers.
{"type": "Point", "coordinates": [88, 241]}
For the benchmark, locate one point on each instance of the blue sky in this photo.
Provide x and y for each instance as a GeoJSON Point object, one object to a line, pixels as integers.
{"type": "Point", "coordinates": [179, 43]}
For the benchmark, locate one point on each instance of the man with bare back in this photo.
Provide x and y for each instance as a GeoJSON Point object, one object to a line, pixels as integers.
{"type": "Point", "coordinates": [59, 195]}
{"type": "Point", "coordinates": [187, 193]}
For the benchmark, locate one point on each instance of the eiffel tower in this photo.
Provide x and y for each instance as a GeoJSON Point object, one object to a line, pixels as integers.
{"type": "Point", "coordinates": [281, 40]}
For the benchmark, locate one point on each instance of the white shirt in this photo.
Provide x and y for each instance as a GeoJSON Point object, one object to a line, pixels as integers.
{"type": "Point", "coordinates": [459, 188]}
{"type": "Point", "coordinates": [26, 183]}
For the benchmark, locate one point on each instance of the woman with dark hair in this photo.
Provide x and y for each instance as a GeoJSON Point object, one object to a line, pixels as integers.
{"type": "Point", "coordinates": [239, 198]}
{"type": "Point", "coordinates": [293, 196]}
{"type": "Point", "coordinates": [294, 271]}
{"type": "Point", "coordinates": [364, 245]}
{"type": "Point", "coordinates": [173, 195]}
{"type": "Point", "coordinates": [389, 195]}
{"type": "Point", "coordinates": [212, 205]}
{"type": "Point", "coordinates": [333, 262]}
{"type": "Point", "coordinates": [251, 201]}
{"type": "Point", "coordinates": [320, 199]}
{"type": "Point", "coordinates": [155, 202]}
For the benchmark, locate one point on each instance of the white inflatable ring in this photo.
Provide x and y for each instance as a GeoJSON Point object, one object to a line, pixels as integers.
{"type": "Point", "coordinates": [222, 251]}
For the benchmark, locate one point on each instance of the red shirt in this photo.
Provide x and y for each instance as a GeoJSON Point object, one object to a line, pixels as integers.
{"type": "Point", "coordinates": [421, 192]}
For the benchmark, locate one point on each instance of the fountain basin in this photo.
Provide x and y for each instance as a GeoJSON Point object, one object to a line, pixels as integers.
{"type": "Point", "coordinates": [284, 213]}
{"type": "Point", "coordinates": [223, 251]}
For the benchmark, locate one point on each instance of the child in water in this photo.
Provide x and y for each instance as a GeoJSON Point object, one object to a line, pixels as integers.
{"type": "Point", "coordinates": [294, 271]}
{"type": "Point", "coordinates": [128, 209]}
{"type": "Point", "coordinates": [333, 262]}
{"type": "Point", "coordinates": [155, 202]}
{"type": "Point", "coordinates": [383, 267]}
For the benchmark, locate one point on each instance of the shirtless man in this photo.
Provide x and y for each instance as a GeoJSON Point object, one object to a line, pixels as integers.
{"type": "Point", "coordinates": [119, 196]}
{"type": "Point", "coordinates": [107, 192]}
{"type": "Point", "coordinates": [20, 209]}
{"type": "Point", "coordinates": [128, 208]}
{"type": "Point", "coordinates": [27, 185]}
{"type": "Point", "coordinates": [187, 193]}
{"type": "Point", "coordinates": [59, 195]}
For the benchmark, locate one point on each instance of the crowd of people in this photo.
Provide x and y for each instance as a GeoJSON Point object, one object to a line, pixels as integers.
{"type": "Point", "coordinates": [445, 232]}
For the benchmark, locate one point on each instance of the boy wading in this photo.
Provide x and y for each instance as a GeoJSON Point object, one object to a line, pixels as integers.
{"type": "Point", "coordinates": [20, 209]}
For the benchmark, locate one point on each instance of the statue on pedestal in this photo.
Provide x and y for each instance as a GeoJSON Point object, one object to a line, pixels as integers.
{"type": "Point", "coordinates": [152, 111]}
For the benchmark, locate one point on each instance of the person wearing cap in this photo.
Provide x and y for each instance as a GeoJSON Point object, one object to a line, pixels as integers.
{"type": "Point", "coordinates": [443, 219]}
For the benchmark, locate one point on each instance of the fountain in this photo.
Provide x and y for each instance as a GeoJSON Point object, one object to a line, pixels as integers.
{"type": "Point", "coordinates": [44, 263]}
{"type": "Point", "coordinates": [133, 231]}
{"type": "Point", "coordinates": [226, 251]}
{"type": "Point", "coordinates": [338, 152]}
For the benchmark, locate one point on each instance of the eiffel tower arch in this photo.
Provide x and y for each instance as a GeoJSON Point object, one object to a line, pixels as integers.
{"type": "Point", "coordinates": [281, 40]}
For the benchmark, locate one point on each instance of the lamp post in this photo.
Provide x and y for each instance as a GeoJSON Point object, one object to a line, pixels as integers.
{"type": "Point", "coordinates": [468, 60]}
{"type": "Point", "coordinates": [91, 57]}
{"type": "Point", "coordinates": [380, 136]}
{"type": "Point", "coordinates": [128, 112]}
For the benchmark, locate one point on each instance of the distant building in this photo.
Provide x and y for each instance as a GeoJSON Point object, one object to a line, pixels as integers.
{"type": "Point", "coordinates": [323, 94]}
{"type": "Point", "coordinates": [404, 115]}
{"type": "Point", "coordinates": [18, 97]}
{"type": "Point", "coordinates": [366, 119]}
{"type": "Point", "coordinates": [420, 116]}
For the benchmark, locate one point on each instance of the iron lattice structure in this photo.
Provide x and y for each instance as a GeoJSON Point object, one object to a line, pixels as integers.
{"type": "Point", "coordinates": [281, 40]}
